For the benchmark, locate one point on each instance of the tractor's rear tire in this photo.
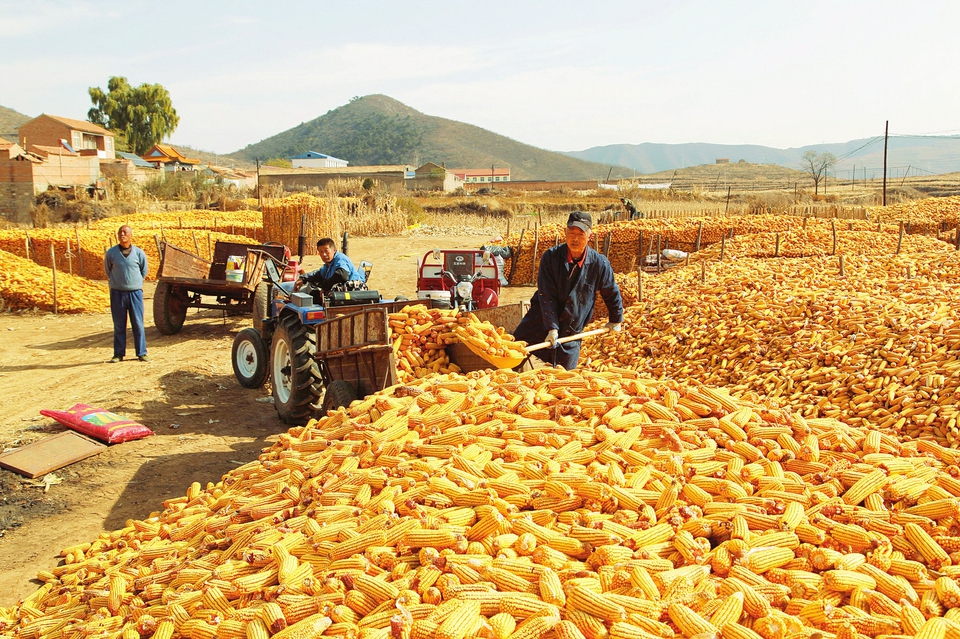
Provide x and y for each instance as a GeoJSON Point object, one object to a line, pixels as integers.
{"type": "Point", "coordinates": [296, 376]}
{"type": "Point", "coordinates": [339, 394]}
{"type": "Point", "coordinates": [260, 301]}
{"type": "Point", "coordinates": [169, 308]}
{"type": "Point", "coordinates": [250, 358]}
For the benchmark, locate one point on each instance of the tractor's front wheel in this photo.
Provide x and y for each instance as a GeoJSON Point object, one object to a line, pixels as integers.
{"type": "Point", "coordinates": [250, 358]}
{"type": "Point", "coordinates": [169, 308]}
{"type": "Point", "coordinates": [296, 377]}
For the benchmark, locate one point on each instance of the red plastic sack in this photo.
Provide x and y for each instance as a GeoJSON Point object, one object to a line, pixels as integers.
{"type": "Point", "coordinates": [100, 424]}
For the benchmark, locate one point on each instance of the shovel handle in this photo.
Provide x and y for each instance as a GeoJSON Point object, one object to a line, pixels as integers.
{"type": "Point", "coordinates": [568, 338]}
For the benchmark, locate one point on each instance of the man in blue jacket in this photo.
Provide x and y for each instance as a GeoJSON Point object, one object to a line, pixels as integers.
{"type": "Point", "coordinates": [126, 266]}
{"type": "Point", "coordinates": [570, 276]}
{"type": "Point", "coordinates": [337, 268]}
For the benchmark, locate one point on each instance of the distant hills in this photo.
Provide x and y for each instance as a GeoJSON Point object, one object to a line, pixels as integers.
{"type": "Point", "coordinates": [913, 155]}
{"type": "Point", "coordinates": [10, 121]}
{"type": "Point", "coordinates": [376, 129]}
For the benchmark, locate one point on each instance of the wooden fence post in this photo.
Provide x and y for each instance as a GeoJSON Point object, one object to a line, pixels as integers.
{"type": "Point", "coordinates": [53, 265]}
{"type": "Point", "coordinates": [79, 252]}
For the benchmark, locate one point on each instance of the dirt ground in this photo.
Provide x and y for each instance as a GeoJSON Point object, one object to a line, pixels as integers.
{"type": "Point", "coordinates": [204, 422]}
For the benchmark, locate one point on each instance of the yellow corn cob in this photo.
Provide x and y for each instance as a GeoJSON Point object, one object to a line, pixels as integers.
{"type": "Point", "coordinates": [272, 617]}
{"type": "Point", "coordinates": [935, 556]}
{"type": "Point", "coordinates": [689, 622]}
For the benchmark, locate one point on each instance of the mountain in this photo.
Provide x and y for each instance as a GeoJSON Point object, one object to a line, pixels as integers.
{"type": "Point", "coordinates": [10, 121]}
{"type": "Point", "coordinates": [376, 129]}
{"type": "Point", "coordinates": [904, 154]}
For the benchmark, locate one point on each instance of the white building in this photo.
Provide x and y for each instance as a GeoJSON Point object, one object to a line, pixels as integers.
{"type": "Point", "coordinates": [314, 160]}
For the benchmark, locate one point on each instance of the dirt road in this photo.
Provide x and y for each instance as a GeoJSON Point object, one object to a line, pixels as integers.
{"type": "Point", "coordinates": [204, 422]}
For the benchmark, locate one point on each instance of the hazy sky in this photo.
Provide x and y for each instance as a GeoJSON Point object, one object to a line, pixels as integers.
{"type": "Point", "coordinates": [559, 75]}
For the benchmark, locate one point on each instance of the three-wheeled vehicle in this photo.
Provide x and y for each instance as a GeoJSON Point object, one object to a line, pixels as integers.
{"type": "Point", "coordinates": [466, 279]}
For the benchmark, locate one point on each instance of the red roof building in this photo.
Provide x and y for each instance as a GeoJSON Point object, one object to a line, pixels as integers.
{"type": "Point", "coordinates": [482, 175]}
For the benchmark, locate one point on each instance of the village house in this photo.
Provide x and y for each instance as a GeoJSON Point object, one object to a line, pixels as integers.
{"type": "Point", "coordinates": [27, 172]}
{"type": "Point", "coordinates": [129, 166]}
{"type": "Point", "coordinates": [164, 156]}
{"type": "Point", "coordinates": [76, 135]}
{"type": "Point", "coordinates": [433, 177]}
{"type": "Point", "coordinates": [473, 176]}
{"type": "Point", "coordinates": [314, 160]}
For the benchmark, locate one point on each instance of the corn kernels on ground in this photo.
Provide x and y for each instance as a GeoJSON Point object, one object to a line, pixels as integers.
{"type": "Point", "coordinates": [547, 503]}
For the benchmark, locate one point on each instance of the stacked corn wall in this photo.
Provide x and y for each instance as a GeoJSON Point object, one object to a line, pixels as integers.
{"type": "Point", "coordinates": [680, 233]}
{"type": "Point", "coordinates": [525, 506]}
{"type": "Point", "coordinates": [87, 261]}
{"type": "Point", "coordinates": [929, 215]}
{"type": "Point", "coordinates": [330, 217]}
{"type": "Point", "coordinates": [877, 346]}
{"type": "Point", "coordinates": [248, 223]}
{"type": "Point", "coordinates": [921, 217]}
{"type": "Point", "coordinates": [24, 285]}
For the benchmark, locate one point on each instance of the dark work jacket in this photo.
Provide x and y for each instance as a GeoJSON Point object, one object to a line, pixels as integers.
{"type": "Point", "coordinates": [568, 308]}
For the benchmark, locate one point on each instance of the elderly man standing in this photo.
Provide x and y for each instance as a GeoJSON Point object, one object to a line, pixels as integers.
{"type": "Point", "coordinates": [126, 266]}
{"type": "Point", "coordinates": [570, 276]}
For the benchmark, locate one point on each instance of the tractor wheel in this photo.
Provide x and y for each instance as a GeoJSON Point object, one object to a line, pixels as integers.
{"type": "Point", "coordinates": [250, 358]}
{"type": "Point", "coordinates": [260, 301]}
{"type": "Point", "coordinates": [340, 393]}
{"type": "Point", "coordinates": [169, 308]}
{"type": "Point", "coordinates": [296, 375]}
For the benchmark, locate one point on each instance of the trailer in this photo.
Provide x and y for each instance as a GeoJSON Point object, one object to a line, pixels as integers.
{"type": "Point", "coordinates": [187, 280]}
{"type": "Point", "coordinates": [355, 355]}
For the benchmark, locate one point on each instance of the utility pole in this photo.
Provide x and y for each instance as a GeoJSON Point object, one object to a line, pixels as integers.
{"type": "Point", "coordinates": [886, 134]}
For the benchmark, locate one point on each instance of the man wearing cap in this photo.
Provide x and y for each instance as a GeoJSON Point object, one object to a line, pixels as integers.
{"type": "Point", "coordinates": [570, 276]}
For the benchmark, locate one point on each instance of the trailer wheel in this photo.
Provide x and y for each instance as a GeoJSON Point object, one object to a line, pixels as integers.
{"type": "Point", "coordinates": [169, 308]}
{"type": "Point", "coordinates": [260, 301]}
{"type": "Point", "coordinates": [296, 377]}
{"type": "Point", "coordinates": [250, 358]}
{"type": "Point", "coordinates": [340, 394]}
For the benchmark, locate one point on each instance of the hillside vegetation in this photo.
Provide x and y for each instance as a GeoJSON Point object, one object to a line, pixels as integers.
{"type": "Point", "coordinates": [377, 129]}
{"type": "Point", "coordinates": [10, 121]}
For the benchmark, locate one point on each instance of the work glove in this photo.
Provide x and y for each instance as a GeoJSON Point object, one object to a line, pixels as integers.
{"type": "Point", "coordinates": [552, 338]}
{"type": "Point", "coordinates": [613, 326]}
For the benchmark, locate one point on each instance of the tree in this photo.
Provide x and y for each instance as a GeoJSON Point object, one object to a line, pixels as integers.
{"type": "Point", "coordinates": [139, 116]}
{"type": "Point", "coordinates": [816, 164]}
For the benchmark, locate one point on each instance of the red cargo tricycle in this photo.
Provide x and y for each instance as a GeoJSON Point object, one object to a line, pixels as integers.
{"type": "Point", "coordinates": [467, 279]}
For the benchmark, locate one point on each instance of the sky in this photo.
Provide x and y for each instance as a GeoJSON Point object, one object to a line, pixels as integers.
{"type": "Point", "coordinates": [559, 75]}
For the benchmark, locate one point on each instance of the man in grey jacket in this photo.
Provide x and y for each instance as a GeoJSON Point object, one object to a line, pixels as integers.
{"type": "Point", "coordinates": [126, 266]}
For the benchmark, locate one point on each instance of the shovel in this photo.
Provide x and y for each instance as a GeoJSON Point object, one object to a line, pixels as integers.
{"type": "Point", "coordinates": [568, 338]}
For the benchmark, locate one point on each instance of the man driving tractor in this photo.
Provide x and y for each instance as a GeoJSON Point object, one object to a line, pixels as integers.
{"type": "Point", "coordinates": [337, 272]}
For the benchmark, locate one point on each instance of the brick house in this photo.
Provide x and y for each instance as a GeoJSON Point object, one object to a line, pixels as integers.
{"type": "Point", "coordinates": [25, 173]}
{"type": "Point", "coordinates": [164, 156]}
{"type": "Point", "coordinates": [433, 177]}
{"type": "Point", "coordinates": [472, 176]}
{"type": "Point", "coordinates": [49, 130]}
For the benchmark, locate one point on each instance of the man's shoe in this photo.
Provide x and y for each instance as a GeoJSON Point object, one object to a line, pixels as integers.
{"type": "Point", "coordinates": [143, 358]}
{"type": "Point", "coordinates": [116, 359]}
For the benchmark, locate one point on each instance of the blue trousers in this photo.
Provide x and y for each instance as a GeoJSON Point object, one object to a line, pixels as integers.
{"type": "Point", "coordinates": [123, 303]}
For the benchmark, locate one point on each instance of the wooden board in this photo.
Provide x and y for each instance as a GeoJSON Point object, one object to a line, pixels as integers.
{"type": "Point", "coordinates": [50, 453]}
{"type": "Point", "coordinates": [350, 332]}
{"type": "Point", "coordinates": [178, 262]}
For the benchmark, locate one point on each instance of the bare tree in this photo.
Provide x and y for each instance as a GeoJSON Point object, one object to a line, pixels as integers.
{"type": "Point", "coordinates": [816, 164]}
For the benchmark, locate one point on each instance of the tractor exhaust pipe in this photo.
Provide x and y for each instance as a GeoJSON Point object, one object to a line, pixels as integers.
{"type": "Point", "coordinates": [302, 240]}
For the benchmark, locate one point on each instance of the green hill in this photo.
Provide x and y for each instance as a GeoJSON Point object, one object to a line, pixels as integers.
{"type": "Point", "coordinates": [376, 129]}
{"type": "Point", "coordinates": [10, 121]}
